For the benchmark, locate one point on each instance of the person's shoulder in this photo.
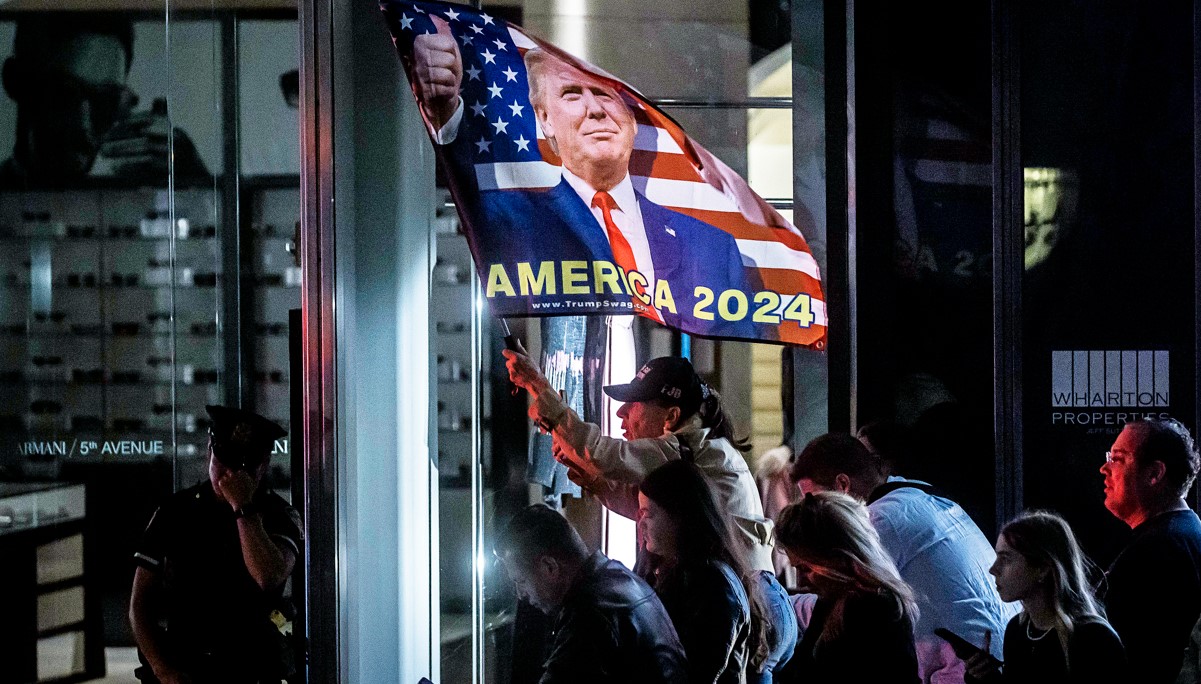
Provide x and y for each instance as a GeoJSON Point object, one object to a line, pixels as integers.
{"type": "Point", "coordinates": [873, 605]}
{"type": "Point", "coordinates": [1014, 628]}
{"type": "Point", "coordinates": [607, 583]}
{"type": "Point", "coordinates": [1177, 530]}
{"type": "Point", "coordinates": [715, 574]}
{"type": "Point", "coordinates": [1095, 632]}
{"type": "Point", "coordinates": [902, 508]}
{"type": "Point", "coordinates": [189, 497]}
{"type": "Point", "coordinates": [177, 507]}
{"type": "Point", "coordinates": [1183, 525]}
{"type": "Point", "coordinates": [278, 513]}
{"type": "Point", "coordinates": [1095, 641]}
{"type": "Point", "coordinates": [275, 502]}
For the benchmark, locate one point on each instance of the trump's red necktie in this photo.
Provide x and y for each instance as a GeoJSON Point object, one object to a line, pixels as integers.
{"type": "Point", "coordinates": [623, 254]}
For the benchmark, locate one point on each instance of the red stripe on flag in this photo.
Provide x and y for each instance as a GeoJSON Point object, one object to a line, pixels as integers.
{"type": "Point", "coordinates": [814, 335]}
{"type": "Point", "coordinates": [789, 282]}
{"type": "Point", "coordinates": [663, 165]}
{"type": "Point", "coordinates": [737, 225]}
{"type": "Point", "coordinates": [658, 119]}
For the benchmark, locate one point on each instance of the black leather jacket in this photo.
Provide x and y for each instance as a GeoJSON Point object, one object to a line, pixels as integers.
{"type": "Point", "coordinates": [613, 628]}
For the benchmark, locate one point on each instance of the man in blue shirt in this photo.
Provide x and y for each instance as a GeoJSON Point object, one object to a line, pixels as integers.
{"type": "Point", "coordinates": [938, 549]}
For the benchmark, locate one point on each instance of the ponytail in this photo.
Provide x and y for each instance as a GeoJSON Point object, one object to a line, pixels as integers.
{"type": "Point", "coordinates": [714, 417]}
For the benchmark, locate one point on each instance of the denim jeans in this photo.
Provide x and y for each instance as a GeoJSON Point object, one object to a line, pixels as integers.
{"type": "Point", "coordinates": [785, 634]}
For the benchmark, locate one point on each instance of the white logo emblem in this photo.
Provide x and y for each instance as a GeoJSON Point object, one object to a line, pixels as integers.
{"type": "Point", "coordinates": [1109, 378]}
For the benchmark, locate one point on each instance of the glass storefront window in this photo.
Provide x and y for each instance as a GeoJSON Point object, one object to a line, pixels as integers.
{"type": "Point", "coordinates": [1107, 137]}
{"type": "Point", "coordinates": [144, 274]}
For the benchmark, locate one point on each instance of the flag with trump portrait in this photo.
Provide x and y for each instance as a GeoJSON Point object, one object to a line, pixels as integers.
{"type": "Point", "coordinates": [578, 196]}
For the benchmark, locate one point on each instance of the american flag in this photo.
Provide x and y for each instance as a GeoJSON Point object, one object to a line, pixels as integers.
{"type": "Point", "coordinates": [667, 166]}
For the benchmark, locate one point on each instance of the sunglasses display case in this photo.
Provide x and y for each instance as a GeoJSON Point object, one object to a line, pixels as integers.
{"type": "Point", "coordinates": [43, 537]}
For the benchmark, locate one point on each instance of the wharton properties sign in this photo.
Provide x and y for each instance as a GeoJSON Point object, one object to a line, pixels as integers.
{"type": "Point", "coordinates": [1098, 388]}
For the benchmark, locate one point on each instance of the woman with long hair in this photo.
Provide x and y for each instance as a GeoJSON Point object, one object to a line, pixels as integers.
{"type": "Point", "coordinates": [1061, 634]}
{"type": "Point", "coordinates": [669, 414]}
{"type": "Point", "coordinates": [862, 624]}
{"type": "Point", "coordinates": [701, 575]}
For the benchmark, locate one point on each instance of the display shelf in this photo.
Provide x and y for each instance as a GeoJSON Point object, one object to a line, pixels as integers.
{"type": "Point", "coordinates": [99, 383]}
{"type": "Point", "coordinates": [105, 238]}
{"type": "Point", "coordinates": [93, 334]}
{"type": "Point", "coordinates": [50, 590]}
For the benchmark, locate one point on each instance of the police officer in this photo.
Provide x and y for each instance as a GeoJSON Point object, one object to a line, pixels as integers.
{"type": "Point", "coordinates": [212, 565]}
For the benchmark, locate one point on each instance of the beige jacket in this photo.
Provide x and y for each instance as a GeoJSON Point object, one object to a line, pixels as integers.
{"type": "Point", "coordinates": [612, 469]}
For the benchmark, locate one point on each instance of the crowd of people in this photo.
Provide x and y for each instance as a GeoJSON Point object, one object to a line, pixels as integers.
{"type": "Point", "coordinates": [894, 582]}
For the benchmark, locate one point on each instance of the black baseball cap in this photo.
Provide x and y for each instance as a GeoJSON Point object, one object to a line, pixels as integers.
{"type": "Point", "coordinates": [667, 379]}
{"type": "Point", "coordinates": [241, 439]}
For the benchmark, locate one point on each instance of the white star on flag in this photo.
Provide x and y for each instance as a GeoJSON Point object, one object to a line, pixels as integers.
{"type": "Point", "coordinates": [418, 10]}
{"type": "Point", "coordinates": [466, 39]}
{"type": "Point", "coordinates": [483, 145]}
{"type": "Point", "coordinates": [478, 108]}
{"type": "Point", "coordinates": [501, 125]}
{"type": "Point", "coordinates": [494, 89]}
{"type": "Point", "coordinates": [487, 19]}
{"type": "Point", "coordinates": [489, 58]}
{"type": "Point", "coordinates": [452, 15]}
{"type": "Point", "coordinates": [516, 108]}
{"type": "Point", "coordinates": [476, 28]}
{"type": "Point", "coordinates": [522, 144]}
{"type": "Point", "coordinates": [500, 45]}
{"type": "Point", "coordinates": [406, 22]}
{"type": "Point", "coordinates": [473, 73]}
{"type": "Point", "coordinates": [510, 75]}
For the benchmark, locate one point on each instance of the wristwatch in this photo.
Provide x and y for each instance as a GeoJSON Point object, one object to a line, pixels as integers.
{"type": "Point", "coordinates": [243, 511]}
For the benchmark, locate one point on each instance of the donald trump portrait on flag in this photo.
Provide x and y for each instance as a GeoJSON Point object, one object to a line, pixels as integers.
{"type": "Point", "coordinates": [578, 196]}
{"type": "Point", "coordinates": [594, 213]}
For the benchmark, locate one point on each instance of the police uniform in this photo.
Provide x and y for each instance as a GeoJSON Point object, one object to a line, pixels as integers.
{"type": "Point", "coordinates": [218, 625]}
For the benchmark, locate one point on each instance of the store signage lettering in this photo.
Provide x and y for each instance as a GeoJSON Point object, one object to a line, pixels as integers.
{"type": "Point", "coordinates": [124, 447]}
{"type": "Point", "coordinates": [42, 449]}
{"type": "Point", "coordinates": [1108, 383]}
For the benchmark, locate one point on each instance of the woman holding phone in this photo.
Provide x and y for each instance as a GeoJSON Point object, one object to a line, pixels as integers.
{"type": "Point", "coordinates": [1061, 635]}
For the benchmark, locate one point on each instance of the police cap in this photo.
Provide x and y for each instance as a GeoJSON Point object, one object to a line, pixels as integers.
{"type": "Point", "coordinates": [241, 439]}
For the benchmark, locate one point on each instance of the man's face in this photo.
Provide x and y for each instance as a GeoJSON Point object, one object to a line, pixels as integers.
{"type": "Point", "coordinates": [70, 99]}
{"type": "Point", "coordinates": [808, 486]}
{"type": "Point", "coordinates": [540, 583]}
{"type": "Point", "coordinates": [1126, 486]}
{"type": "Point", "coordinates": [642, 420]}
{"type": "Point", "coordinates": [591, 125]}
{"type": "Point", "coordinates": [218, 470]}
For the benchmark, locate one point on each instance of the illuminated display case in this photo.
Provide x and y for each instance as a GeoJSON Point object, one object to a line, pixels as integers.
{"type": "Point", "coordinates": [50, 620]}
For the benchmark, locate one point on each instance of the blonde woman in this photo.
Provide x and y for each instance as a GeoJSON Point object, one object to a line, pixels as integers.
{"type": "Point", "coordinates": [1060, 635]}
{"type": "Point", "coordinates": [862, 624]}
